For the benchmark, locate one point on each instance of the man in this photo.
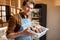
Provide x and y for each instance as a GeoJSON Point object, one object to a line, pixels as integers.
{"type": "Point", "coordinates": [19, 22]}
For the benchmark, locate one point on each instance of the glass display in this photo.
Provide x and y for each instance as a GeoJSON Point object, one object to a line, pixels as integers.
{"type": "Point", "coordinates": [3, 7]}
{"type": "Point", "coordinates": [35, 16]}
{"type": "Point", "coordinates": [3, 13]}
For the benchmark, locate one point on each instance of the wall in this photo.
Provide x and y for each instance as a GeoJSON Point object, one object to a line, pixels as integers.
{"type": "Point", "coordinates": [8, 2]}
{"type": "Point", "coordinates": [57, 2]}
{"type": "Point", "coordinates": [4, 2]}
{"type": "Point", "coordinates": [53, 20]}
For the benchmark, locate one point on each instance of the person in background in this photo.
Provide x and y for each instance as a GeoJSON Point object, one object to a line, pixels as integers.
{"type": "Point", "coordinates": [19, 22]}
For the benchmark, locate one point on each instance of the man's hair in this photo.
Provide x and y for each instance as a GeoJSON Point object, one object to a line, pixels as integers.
{"type": "Point", "coordinates": [25, 1]}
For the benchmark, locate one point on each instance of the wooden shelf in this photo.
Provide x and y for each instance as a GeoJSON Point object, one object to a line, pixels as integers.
{"type": "Point", "coordinates": [35, 16]}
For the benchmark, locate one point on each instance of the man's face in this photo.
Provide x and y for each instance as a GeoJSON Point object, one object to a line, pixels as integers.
{"type": "Point", "coordinates": [28, 8]}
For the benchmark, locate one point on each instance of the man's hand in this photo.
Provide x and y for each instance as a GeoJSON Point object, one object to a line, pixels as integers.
{"type": "Point", "coordinates": [27, 33]}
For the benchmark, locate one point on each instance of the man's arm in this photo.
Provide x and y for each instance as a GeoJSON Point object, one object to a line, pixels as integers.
{"type": "Point", "coordinates": [11, 26]}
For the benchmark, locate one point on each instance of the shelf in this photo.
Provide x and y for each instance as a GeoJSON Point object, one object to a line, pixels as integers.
{"type": "Point", "coordinates": [36, 20]}
{"type": "Point", "coordinates": [35, 16]}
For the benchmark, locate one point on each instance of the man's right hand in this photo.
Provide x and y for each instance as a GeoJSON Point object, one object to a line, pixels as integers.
{"type": "Point", "coordinates": [27, 33]}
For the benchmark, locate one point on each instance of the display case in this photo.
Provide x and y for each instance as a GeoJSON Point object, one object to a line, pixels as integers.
{"type": "Point", "coordinates": [42, 12]}
{"type": "Point", "coordinates": [35, 16]}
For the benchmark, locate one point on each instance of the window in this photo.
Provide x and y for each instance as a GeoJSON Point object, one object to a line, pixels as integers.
{"type": "Point", "coordinates": [3, 13]}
